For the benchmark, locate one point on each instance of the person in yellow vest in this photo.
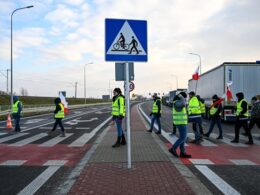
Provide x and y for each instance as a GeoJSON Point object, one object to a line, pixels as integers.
{"type": "Point", "coordinates": [215, 116]}
{"type": "Point", "coordinates": [118, 113]}
{"type": "Point", "coordinates": [242, 119]}
{"type": "Point", "coordinates": [58, 116]}
{"type": "Point", "coordinates": [156, 113]}
{"type": "Point", "coordinates": [203, 111]}
{"type": "Point", "coordinates": [195, 117]}
{"type": "Point", "coordinates": [16, 112]}
{"type": "Point", "coordinates": [180, 119]}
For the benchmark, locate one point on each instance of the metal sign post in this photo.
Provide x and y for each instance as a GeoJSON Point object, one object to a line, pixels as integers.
{"type": "Point", "coordinates": [127, 97]}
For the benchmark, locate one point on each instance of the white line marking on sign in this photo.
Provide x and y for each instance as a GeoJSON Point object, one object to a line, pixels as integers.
{"type": "Point", "coordinates": [242, 162]}
{"type": "Point", "coordinates": [55, 140]}
{"type": "Point", "coordinates": [29, 140]}
{"type": "Point", "coordinates": [216, 180]}
{"type": "Point", "coordinates": [4, 139]}
{"type": "Point", "coordinates": [13, 163]}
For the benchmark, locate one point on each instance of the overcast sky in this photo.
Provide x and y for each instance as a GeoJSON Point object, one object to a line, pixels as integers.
{"type": "Point", "coordinates": [54, 40]}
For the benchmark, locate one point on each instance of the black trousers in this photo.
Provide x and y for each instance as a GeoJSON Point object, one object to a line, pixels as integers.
{"type": "Point", "coordinates": [58, 121]}
{"type": "Point", "coordinates": [254, 121]}
{"type": "Point", "coordinates": [244, 124]}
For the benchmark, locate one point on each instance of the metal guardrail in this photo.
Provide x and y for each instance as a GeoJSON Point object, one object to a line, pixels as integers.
{"type": "Point", "coordinates": [44, 108]}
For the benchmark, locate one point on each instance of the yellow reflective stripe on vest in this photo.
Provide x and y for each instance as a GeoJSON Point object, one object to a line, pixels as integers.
{"type": "Point", "coordinates": [180, 118]}
{"type": "Point", "coordinates": [15, 107]}
{"type": "Point", "coordinates": [118, 107]}
{"type": "Point", "coordinates": [240, 109]}
{"type": "Point", "coordinates": [194, 106]}
{"type": "Point", "coordinates": [60, 113]}
{"type": "Point", "coordinates": [202, 108]}
{"type": "Point", "coordinates": [213, 110]}
{"type": "Point", "coordinates": [155, 108]}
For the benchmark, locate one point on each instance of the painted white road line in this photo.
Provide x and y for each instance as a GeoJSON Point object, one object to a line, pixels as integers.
{"type": "Point", "coordinates": [39, 181]}
{"type": "Point", "coordinates": [242, 162]}
{"type": "Point", "coordinates": [13, 163]}
{"type": "Point", "coordinates": [201, 161]}
{"type": "Point", "coordinates": [55, 163]}
{"type": "Point", "coordinates": [50, 128]}
{"type": "Point", "coordinates": [82, 128]}
{"type": "Point", "coordinates": [223, 186]}
{"type": "Point", "coordinates": [87, 136]}
{"type": "Point", "coordinates": [245, 138]}
{"type": "Point", "coordinates": [29, 140]}
{"type": "Point", "coordinates": [204, 142]}
{"type": "Point", "coordinates": [55, 140]}
{"type": "Point", "coordinates": [30, 121]}
{"type": "Point", "coordinates": [227, 141]}
{"type": "Point", "coordinates": [4, 139]}
{"type": "Point", "coordinates": [171, 139]}
{"type": "Point", "coordinates": [3, 134]}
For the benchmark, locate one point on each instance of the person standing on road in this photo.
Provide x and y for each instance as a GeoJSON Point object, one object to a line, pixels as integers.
{"type": "Point", "coordinates": [215, 116]}
{"type": "Point", "coordinates": [203, 111]}
{"type": "Point", "coordinates": [58, 116]}
{"type": "Point", "coordinates": [16, 112]}
{"type": "Point", "coordinates": [242, 118]}
{"type": "Point", "coordinates": [180, 119]}
{"type": "Point", "coordinates": [118, 113]}
{"type": "Point", "coordinates": [255, 113]}
{"type": "Point", "coordinates": [156, 113]}
{"type": "Point", "coordinates": [195, 117]}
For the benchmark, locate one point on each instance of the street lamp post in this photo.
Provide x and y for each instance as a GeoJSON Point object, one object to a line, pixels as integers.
{"type": "Point", "coordinates": [76, 83]}
{"type": "Point", "coordinates": [199, 58]}
{"type": "Point", "coordinates": [173, 75]}
{"type": "Point", "coordinates": [12, 50]}
{"type": "Point", "coordinates": [85, 80]}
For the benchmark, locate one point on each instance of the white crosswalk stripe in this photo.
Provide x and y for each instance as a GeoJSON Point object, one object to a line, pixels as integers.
{"type": "Point", "coordinates": [242, 162]}
{"type": "Point", "coordinates": [82, 140]}
{"type": "Point", "coordinates": [3, 134]}
{"type": "Point", "coordinates": [13, 163]}
{"type": "Point", "coordinates": [29, 140]}
{"type": "Point", "coordinates": [5, 139]}
{"type": "Point", "coordinates": [55, 140]}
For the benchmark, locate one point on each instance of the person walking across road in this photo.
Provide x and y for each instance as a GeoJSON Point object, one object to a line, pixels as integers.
{"type": "Point", "coordinates": [180, 119]}
{"type": "Point", "coordinates": [215, 116]}
{"type": "Point", "coordinates": [242, 118]}
{"type": "Point", "coordinates": [255, 113]}
{"type": "Point", "coordinates": [16, 112]}
{"type": "Point", "coordinates": [156, 113]}
{"type": "Point", "coordinates": [58, 116]}
{"type": "Point", "coordinates": [118, 113]}
{"type": "Point", "coordinates": [195, 117]}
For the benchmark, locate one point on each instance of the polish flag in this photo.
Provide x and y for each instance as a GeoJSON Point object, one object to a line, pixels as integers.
{"type": "Point", "coordinates": [64, 102]}
{"type": "Point", "coordinates": [229, 93]}
{"type": "Point", "coordinates": [195, 76]}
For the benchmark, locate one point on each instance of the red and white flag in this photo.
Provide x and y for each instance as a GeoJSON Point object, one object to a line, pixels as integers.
{"type": "Point", "coordinates": [228, 92]}
{"type": "Point", "coordinates": [64, 102]}
{"type": "Point", "coordinates": [195, 76]}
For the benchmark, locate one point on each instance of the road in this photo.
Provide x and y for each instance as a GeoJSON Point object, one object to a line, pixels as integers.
{"type": "Point", "coordinates": [222, 166]}
{"type": "Point", "coordinates": [32, 161]}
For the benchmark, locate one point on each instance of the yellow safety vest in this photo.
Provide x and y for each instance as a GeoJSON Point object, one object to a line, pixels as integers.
{"type": "Point", "coordinates": [194, 106]}
{"type": "Point", "coordinates": [60, 113]}
{"type": "Point", "coordinates": [213, 110]}
{"type": "Point", "coordinates": [15, 106]}
{"type": "Point", "coordinates": [180, 118]}
{"type": "Point", "coordinates": [240, 109]}
{"type": "Point", "coordinates": [155, 108]}
{"type": "Point", "coordinates": [118, 107]}
{"type": "Point", "coordinates": [202, 108]}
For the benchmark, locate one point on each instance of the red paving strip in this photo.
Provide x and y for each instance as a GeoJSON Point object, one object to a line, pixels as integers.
{"type": "Point", "coordinates": [144, 178]}
{"type": "Point", "coordinates": [222, 153]}
{"type": "Point", "coordinates": [37, 156]}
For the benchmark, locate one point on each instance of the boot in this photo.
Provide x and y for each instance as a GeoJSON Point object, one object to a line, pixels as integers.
{"type": "Point", "coordinates": [185, 155]}
{"type": "Point", "coordinates": [117, 144]}
{"type": "Point", "coordinates": [123, 141]}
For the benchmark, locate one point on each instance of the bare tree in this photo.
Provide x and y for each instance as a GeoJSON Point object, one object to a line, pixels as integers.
{"type": "Point", "coordinates": [23, 92]}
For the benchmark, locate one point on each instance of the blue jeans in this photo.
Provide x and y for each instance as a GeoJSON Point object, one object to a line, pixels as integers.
{"type": "Point", "coordinates": [118, 122]}
{"type": "Point", "coordinates": [182, 138]}
{"type": "Point", "coordinates": [157, 118]}
{"type": "Point", "coordinates": [17, 121]}
{"type": "Point", "coordinates": [212, 124]}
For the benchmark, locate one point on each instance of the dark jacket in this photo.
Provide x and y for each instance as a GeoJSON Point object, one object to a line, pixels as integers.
{"type": "Point", "coordinates": [57, 101]}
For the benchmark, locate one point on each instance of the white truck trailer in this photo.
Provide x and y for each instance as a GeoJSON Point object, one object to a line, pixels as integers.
{"type": "Point", "coordinates": [244, 76]}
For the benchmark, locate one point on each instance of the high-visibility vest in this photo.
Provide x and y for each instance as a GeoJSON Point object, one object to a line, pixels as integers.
{"type": "Point", "coordinates": [213, 110]}
{"type": "Point", "coordinates": [60, 113]}
{"type": "Point", "coordinates": [118, 107]}
{"type": "Point", "coordinates": [15, 106]}
{"type": "Point", "coordinates": [240, 109]}
{"type": "Point", "coordinates": [202, 108]}
{"type": "Point", "coordinates": [194, 106]}
{"type": "Point", "coordinates": [155, 108]}
{"type": "Point", "coordinates": [180, 118]}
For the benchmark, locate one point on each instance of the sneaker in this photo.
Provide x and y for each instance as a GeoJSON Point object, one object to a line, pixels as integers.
{"type": "Point", "coordinates": [63, 134]}
{"type": "Point", "coordinates": [185, 155]}
{"type": "Point", "coordinates": [250, 143]}
{"type": "Point", "coordinates": [49, 133]}
{"type": "Point", "coordinates": [234, 141]}
{"type": "Point", "coordinates": [149, 130]}
{"type": "Point", "coordinates": [158, 132]}
{"type": "Point", "coordinates": [193, 141]}
{"type": "Point", "coordinates": [172, 134]}
{"type": "Point", "coordinates": [219, 137]}
{"type": "Point", "coordinates": [173, 152]}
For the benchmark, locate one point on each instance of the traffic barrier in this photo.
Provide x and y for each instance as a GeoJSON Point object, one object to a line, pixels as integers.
{"type": "Point", "coordinates": [9, 122]}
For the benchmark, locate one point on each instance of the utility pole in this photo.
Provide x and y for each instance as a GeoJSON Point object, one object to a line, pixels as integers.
{"type": "Point", "coordinates": [76, 89]}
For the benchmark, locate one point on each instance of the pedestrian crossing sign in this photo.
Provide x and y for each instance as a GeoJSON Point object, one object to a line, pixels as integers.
{"type": "Point", "coordinates": [126, 40]}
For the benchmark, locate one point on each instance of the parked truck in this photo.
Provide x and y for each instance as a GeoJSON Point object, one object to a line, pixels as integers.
{"type": "Point", "coordinates": [243, 77]}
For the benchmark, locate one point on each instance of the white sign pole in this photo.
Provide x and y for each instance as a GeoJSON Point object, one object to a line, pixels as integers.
{"type": "Point", "coordinates": [128, 116]}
